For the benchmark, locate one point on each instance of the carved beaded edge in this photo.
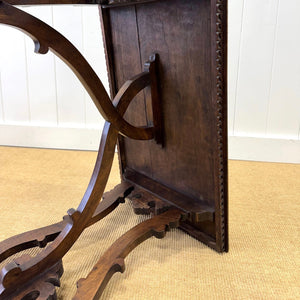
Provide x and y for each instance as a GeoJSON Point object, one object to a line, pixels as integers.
{"type": "Point", "coordinates": [221, 90]}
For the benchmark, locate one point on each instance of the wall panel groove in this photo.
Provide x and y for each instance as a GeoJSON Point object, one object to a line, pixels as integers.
{"type": "Point", "coordinates": [13, 75]}
{"type": "Point", "coordinates": [272, 70]}
{"type": "Point", "coordinates": [235, 41]}
{"type": "Point", "coordinates": [41, 76]}
{"type": "Point", "coordinates": [255, 67]}
{"type": "Point", "coordinates": [284, 110]}
{"type": "Point", "coordinates": [27, 79]}
{"type": "Point", "coordinates": [2, 117]}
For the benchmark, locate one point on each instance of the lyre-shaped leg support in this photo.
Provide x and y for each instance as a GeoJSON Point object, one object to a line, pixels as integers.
{"type": "Point", "coordinates": [36, 277]}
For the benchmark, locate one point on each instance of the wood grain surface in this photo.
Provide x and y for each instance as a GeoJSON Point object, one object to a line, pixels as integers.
{"type": "Point", "coordinates": [190, 39]}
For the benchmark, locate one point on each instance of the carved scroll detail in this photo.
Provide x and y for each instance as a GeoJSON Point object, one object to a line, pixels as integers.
{"type": "Point", "coordinates": [145, 203]}
{"type": "Point", "coordinates": [41, 288]}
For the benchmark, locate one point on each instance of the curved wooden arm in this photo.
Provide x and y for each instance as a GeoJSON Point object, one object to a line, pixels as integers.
{"type": "Point", "coordinates": [45, 38]}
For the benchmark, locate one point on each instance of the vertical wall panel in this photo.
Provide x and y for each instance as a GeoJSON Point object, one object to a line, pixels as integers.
{"type": "Point", "coordinates": [41, 76]}
{"type": "Point", "coordinates": [14, 75]}
{"type": "Point", "coordinates": [70, 93]}
{"type": "Point", "coordinates": [94, 53]}
{"type": "Point", "coordinates": [236, 9]}
{"type": "Point", "coordinates": [253, 86]}
{"type": "Point", "coordinates": [284, 107]}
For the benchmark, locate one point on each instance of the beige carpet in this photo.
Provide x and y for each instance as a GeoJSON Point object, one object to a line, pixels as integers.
{"type": "Point", "coordinates": [37, 187]}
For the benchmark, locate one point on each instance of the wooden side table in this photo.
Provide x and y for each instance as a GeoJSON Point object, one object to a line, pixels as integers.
{"type": "Point", "coordinates": [167, 62]}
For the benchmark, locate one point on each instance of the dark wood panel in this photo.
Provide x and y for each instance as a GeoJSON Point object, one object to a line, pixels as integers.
{"type": "Point", "coordinates": [190, 39]}
{"type": "Point", "coordinates": [183, 44]}
{"type": "Point", "coordinates": [127, 63]}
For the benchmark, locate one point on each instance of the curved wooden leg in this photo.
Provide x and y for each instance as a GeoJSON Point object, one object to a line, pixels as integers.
{"type": "Point", "coordinates": [112, 260]}
{"type": "Point", "coordinates": [64, 234]}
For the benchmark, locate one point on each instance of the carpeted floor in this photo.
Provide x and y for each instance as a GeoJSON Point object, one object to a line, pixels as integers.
{"type": "Point", "coordinates": [38, 186]}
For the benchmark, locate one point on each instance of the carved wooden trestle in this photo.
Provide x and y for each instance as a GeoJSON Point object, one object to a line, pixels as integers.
{"type": "Point", "coordinates": [89, 211]}
{"type": "Point", "coordinates": [36, 277]}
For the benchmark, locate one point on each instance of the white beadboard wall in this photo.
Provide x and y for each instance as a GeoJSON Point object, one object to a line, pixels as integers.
{"type": "Point", "coordinates": [42, 104]}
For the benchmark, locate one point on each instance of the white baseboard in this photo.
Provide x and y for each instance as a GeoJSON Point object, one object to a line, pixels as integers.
{"type": "Point", "coordinates": [264, 149]}
{"type": "Point", "coordinates": [240, 148]}
{"type": "Point", "coordinates": [50, 137]}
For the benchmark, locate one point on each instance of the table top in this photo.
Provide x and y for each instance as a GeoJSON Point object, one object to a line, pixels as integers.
{"type": "Point", "coordinates": [102, 2]}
